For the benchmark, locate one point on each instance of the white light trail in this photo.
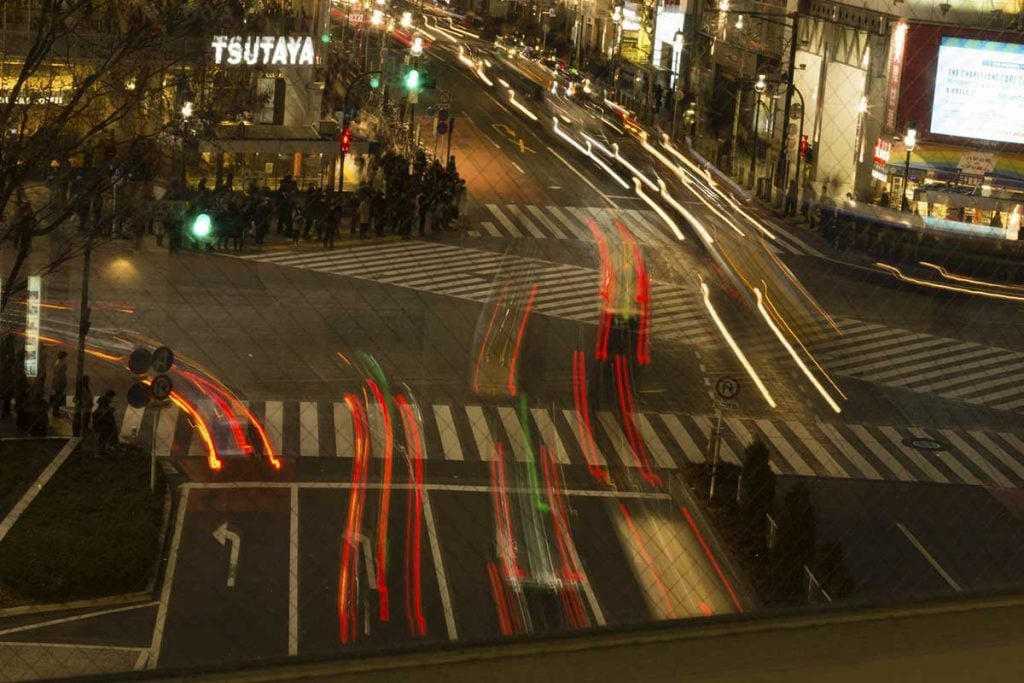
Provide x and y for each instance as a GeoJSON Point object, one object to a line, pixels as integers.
{"type": "Point", "coordinates": [698, 226]}
{"type": "Point", "coordinates": [657, 209]}
{"type": "Point", "coordinates": [735, 347]}
{"type": "Point", "coordinates": [793, 354]}
{"type": "Point", "coordinates": [633, 169]}
{"type": "Point", "coordinates": [515, 103]}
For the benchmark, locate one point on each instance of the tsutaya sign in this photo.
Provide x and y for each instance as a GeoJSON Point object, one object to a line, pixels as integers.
{"type": "Point", "coordinates": [263, 50]}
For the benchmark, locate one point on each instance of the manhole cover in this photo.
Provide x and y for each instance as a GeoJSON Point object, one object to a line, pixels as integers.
{"type": "Point", "coordinates": [927, 444]}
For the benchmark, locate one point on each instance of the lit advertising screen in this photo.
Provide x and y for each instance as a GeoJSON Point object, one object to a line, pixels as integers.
{"type": "Point", "coordinates": [979, 90]}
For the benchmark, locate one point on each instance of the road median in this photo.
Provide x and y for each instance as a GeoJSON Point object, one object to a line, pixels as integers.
{"type": "Point", "coordinates": [92, 531]}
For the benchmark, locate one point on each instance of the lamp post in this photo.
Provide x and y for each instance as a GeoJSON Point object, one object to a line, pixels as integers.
{"type": "Point", "coordinates": [799, 136]}
{"type": "Point", "coordinates": [759, 87]}
{"type": "Point", "coordinates": [909, 142]}
{"type": "Point", "coordinates": [617, 22]}
{"type": "Point", "coordinates": [677, 41]}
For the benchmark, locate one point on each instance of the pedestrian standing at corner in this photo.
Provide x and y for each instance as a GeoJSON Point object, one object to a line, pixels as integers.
{"type": "Point", "coordinates": [791, 197]}
{"type": "Point", "coordinates": [104, 422]}
{"type": "Point", "coordinates": [364, 217]}
{"type": "Point", "coordinates": [59, 385]}
{"type": "Point", "coordinates": [83, 407]}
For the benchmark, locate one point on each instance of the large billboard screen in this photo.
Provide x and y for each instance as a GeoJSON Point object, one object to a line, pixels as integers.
{"type": "Point", "coordinates": [979, 90]}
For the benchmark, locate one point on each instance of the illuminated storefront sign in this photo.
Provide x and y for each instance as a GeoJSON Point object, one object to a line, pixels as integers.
{"type": "Point", "coordinates": [897, 47]}
{"type": "Point", "coordinates": [32, 309]}
{"type": "Point", "coordinates": [263, 50]}
{"type": "Point", "coordinates": [883, 149]}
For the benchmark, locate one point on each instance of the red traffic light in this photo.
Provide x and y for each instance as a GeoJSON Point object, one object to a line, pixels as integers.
{"type": "Point", "coordinates": [803, 146]}
{"type": "Point", "coordinates": [346, 140]}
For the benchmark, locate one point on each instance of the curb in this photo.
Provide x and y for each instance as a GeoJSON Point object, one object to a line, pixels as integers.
{"type": "Point", "coordinates": [109, 601]}
{"type": "Point", "coordinates": [680, 491]}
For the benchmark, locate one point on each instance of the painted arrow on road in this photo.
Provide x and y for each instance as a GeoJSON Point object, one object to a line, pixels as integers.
{"type": "Point", "coordinates": [225, 535]}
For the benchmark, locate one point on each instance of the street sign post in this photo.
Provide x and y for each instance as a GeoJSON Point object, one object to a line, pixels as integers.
{"type": "Point", "coordinates": [163, 359]}
{"type": "Point", "coordinates": [138, 395]}
{"type": "Point", "coordinates": [161, 387]}
{"type": "Point", "coordinates": [727, 389]}
{"type": "Point", "coordinates": [139, 361]}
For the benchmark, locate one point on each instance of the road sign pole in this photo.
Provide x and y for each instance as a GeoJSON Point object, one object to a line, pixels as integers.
{"type": "Point", "coordinates": [716, 440]}
{"type": "Point", "coordinates": [152, 456]}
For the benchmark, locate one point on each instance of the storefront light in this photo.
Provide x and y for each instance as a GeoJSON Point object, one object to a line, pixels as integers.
{"type": "Point", "coordinates": [406, 19]}
{"type": "Point", "coordinates": [862, 106]}
{"type": "Point", "coordinates": [377, 18]}
{"type": "Point", "coordinates": [186, 110]}
{"type": "Point", "coordinates": [739, 22]}
{"type": "Point", "coordinates": [910, 139]}
{"type": "Point", "coordinates": [761, 85]}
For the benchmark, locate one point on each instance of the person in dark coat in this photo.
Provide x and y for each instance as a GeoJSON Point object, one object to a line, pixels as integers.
{"type": "Point", "coordinates": [83, 407]}
{"type": "Point", "coordinates": [104, 422]}
{"type": "Point", "coordinates": [59, 384]}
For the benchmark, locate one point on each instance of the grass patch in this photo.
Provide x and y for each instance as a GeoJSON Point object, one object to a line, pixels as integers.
{"type": "Point", "coordinates": [20, 464]}
{"type": "Point", "coordinates": [92, 531]}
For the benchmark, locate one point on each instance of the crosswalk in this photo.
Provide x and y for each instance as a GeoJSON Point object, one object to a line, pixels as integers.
{"type": "Point", "coordinates": [923, 363]}
{"type": "Point", "coordinates": [529, 221]}
{"type": "Point", "coordinates": [467, 433]}
{"type": "Point", "coordinates": [892, 356]}
{"type": "Point", "coordinates": [564, 291]}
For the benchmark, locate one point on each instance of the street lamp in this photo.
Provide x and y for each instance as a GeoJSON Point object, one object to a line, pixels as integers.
{"type": "Point", "coordinates": [677, 41]}
{"type": "Point", "coordinates": [759, 87]}
{"type": "Point", "coordinates": [186, 110]}
{"type": "Point", "coordinates": [416, 49]}
{"type": "Point", "coordinates": [406, 19]}
{"type": "Point", "coordinates": [909, 142]}
{"type": "Point", "coordinates": [617, 21]}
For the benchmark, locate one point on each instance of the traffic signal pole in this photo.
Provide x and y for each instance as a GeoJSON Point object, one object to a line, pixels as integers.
{"type": "Point", "coordinates": [345, 121]}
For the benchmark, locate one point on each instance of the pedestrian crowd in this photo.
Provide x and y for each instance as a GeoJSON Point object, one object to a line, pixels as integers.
{"type": "Point", "coordinates": [28, 401]}
{"type": "Point", "coordinates": [400, 196]}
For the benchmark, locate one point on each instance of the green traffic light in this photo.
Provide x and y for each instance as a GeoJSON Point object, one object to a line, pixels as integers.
{"type": "Point", "coordinates": [375, 82]}
{"type": "Point", "coordinates": [202, 225]}
{"type": "Point", "coordinates": [325, 38]}
{"type": "Point", "coordinates": [412, 79]}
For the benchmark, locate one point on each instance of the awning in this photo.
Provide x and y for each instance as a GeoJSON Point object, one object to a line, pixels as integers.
{"type": "Point", "coordinates": [947, 159]}
{"type": "Point", "coordinates": [263, 139]}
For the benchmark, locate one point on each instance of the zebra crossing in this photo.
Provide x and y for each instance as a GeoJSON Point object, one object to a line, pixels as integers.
{"type": "Point", "coordinates": [467, 433]}
{"type": "Point", "coordinates": [892, 356]}
{"type": "Point", "coordinates": [528, 221]}
{"type": "Point", "coordinates": [564, 291]}
{"type": "Point", "coordinates": [520, 221]}
{"type": "Point", "coordinates": [923, 363]}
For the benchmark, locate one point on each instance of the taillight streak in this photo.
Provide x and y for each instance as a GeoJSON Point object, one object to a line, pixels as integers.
{"type": "Point", "coordinates": [414, 521]}
{"type": "Point", "coordinates": [385, 502]}
{"type": "Point", "coordinates": [347, 600]}
{"type": "Point", "coordinates": [519, 341]}
{"type": "Point", "coordinates": [588, 446]}
{"type": "Point", "coordinates": [624, 385]}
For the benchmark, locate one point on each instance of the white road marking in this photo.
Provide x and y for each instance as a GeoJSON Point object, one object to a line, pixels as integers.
{"type": "Point", "coordinates": [309, 436]}
{"type": "Point", "coordinates": [928, 556]}
{"type": "Point", "coordinates": [450, 447]}
{"type": "Point", "coordinates": [26, 499]}
{"type": "Point", "coordinates": [293, 575]}
{"type": "Point", "coordinates": [344, 438]}
{"type": "Point", "coordinates": [691, 451]}
{"type": "Point", "coordinates": [442, 579]}
{"type": "Point", "coordinates": [165, 592]}
{"type": "Point", "coordinates": [481, 432]}
{"type": "Point", "coordinates": [549, 435]}
{"type": "Point", "coordinates": [273, 424]}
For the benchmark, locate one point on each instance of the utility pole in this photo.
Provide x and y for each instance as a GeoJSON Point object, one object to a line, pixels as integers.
{"type": "Point", "coordinates": [782, 173]}
{"type": "Point", "coordinates": [84, 318]}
